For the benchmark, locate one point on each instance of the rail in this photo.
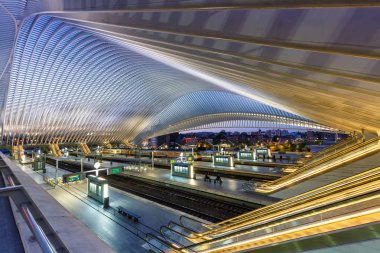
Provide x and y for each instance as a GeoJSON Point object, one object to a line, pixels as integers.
{"type": "Point", "coordinates": [306, 201]}
{"type": "Point", "coordinates": [183, 229]}
{"type": "Point", "coordinates": [352, 197]}
{"type": "Point", "coordinates": [299, 174]}
{"type": "Point", "coordinates": [275, 232]}
{"type": "Point", "coordinates": [46, 237]}
{"type": "Point", "coordinates": [343, 143]}
{"type": "Point", "coordinates": [159, 245]}
{"type": "Point", "coordinates": [174, 237]}
{"type": "Point", "coordinates": [339, 146]}
{"type": "Point", "coordinates": [199, 226]}
{"type": "Point", "coordinates": [40, 236]}
{"type": "Point", "coordinates": [18, 195]}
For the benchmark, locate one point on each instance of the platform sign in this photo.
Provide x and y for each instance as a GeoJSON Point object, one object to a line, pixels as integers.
{"type": "Point", "coordinates": [73, 178]}
{"type": "Point", "coordinates": [67, 178]}
{"type": "Point", "coordinates": [263, 152]}
{"type": "Point", "coordinates": [223, 160]}
{"type": "Point", "coordinates": [112, 171]}
{"type": "Point", "coordinates": [182, 169]}
{"type": "Point", "coordinates": [246, 155]}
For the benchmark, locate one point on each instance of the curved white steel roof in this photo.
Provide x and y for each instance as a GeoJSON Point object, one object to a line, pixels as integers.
{"type": "Point", "coordinates": [119, 71]}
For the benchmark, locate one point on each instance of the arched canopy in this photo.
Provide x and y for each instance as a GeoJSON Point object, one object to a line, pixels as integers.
{"type": "Point", "coordinates": [118, 71]}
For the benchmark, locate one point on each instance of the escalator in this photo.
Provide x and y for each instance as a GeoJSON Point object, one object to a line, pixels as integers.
{"type": "Point", "coordinates": [343, 205]}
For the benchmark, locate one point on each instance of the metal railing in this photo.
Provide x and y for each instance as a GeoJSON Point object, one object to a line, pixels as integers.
{"type": "Point", "coordinates": [44, 234]}
{"type": "Point", "coordinates": [41, 238]}
{"type": "Point", "coordinates": [337, 147]}
{"type": "Point", "coordinates": [159, 245]}
{"type": "Point", "coordinates": [363, 182]}
{"type": "Point", "coordinates": [368, 203]}
{"type": "Point", "coordinates": [298, 174]}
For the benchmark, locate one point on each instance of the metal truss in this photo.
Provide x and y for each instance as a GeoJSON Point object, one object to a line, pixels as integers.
{"type": "Point", "coordinates": [117, 71]}
{"type": "Point", "coordinates": [240, 120]}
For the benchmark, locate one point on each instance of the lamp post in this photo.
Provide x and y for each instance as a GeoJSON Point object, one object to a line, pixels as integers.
{"type": "Point", "coordinates": [152, 159]}
{"type": "Point", "coordinates": [97, 166]}
{"type": "Point", "coordinates": [56, 171]}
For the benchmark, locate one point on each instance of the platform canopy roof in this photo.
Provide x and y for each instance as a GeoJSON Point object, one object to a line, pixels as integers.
{"type": "Point", "coordinates": [125, 70]}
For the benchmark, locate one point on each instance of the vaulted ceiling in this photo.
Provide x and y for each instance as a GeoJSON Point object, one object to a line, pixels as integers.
{"type": "Point", "coordinates": [126, 70]}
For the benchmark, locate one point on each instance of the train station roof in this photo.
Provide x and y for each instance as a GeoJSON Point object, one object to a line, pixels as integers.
{"type": "Point", "coordinates": [127, 70]}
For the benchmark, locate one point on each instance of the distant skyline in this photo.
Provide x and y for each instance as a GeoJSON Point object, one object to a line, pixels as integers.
{"type": "Point", "coordinates": [217, 130]}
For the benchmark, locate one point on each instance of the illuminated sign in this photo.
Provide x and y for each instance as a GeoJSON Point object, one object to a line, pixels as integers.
{"type": "Point", "coordinates": [71, 177]}
{"type": "Point", "coordinates": [111, 171]}
{"type": "Point", "coordinates": [116, 170]}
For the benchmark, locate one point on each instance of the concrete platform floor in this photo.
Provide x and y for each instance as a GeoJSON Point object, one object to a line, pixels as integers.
{"type": "Point", "coordinates": [200, 164]}
{"type": "Point", "coordinates": [120, 233]}
{"type": "Point", "coordinates": [232, 187]}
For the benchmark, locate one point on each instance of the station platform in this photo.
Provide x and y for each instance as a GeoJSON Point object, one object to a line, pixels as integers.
{"type": "Point", "coordinates": [239, 171]}
{"type": "Point", "coordinates": [230, 187]}
{"type": "Point", "coordinates": [243, 168]}
{"type": "Point", "coordinates": [119, 232]}
{"type": "Point", "coordinates": [70, 231]}
{"type": "Point", "coordinates": [266, 162]}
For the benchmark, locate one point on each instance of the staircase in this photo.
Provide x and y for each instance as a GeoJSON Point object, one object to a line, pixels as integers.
{"type": "Point", "coordinates": [58, 150]}
{"type": "Point", "coordinates": [17, 150]}
{"type": "Point", "coordinates": [54, 150]}
{"type": "Point", "coordinates": [86, 150]}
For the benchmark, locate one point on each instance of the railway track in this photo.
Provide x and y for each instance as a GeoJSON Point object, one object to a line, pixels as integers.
{"type": "Point", "coordinates": [211, 209]}
{"type": "Point", "coordinates": [71, 166]}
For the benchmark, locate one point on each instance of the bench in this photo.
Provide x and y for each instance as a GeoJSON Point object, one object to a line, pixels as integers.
{"type": "Point", "coordinates": [129, 214]}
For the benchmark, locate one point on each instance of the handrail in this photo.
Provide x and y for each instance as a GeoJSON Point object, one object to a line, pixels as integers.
{"type": "Point", "coordinates": [337, 147]}
{"type": "Point", "coordinates": [168, 238]}
{"type": "Point", "coordinates": [39, 234]}
{"type": "Point", "coordinates": [163, 242]}
{"type": "Point", "coordinates": [179, 225]}
{"type": "Point", "coordinates": [330, 196]}
{"type": "Point", "coordinates": [189, 218]}
{"type": "Point", "coordinates": [348, 183]}
{"type": "Point", "coordinates": [333, 207]}
{"type": "Point", "coordinates": [265, 219]}
{"type": "Point", "coordinates": [277, 182]}
{"type": "Point", "coordinates": [359, 145]}
{"type": "Point", "coordinates": [308, 206]}
{"type": "Point", "coordinates": [42, 240]}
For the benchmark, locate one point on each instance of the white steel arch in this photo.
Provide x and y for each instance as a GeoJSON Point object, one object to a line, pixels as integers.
{"type": "Point", "coordinates": [113, 70]}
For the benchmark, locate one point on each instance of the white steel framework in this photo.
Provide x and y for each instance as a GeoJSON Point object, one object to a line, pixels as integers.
{"type": "Point", "coordinates": [107, 71]}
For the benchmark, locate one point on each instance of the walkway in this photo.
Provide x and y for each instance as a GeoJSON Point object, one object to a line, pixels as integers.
{"type": "Point", "coordinates": [230, 187]}
{"type": "Point", "coordinates": [120, 233]}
